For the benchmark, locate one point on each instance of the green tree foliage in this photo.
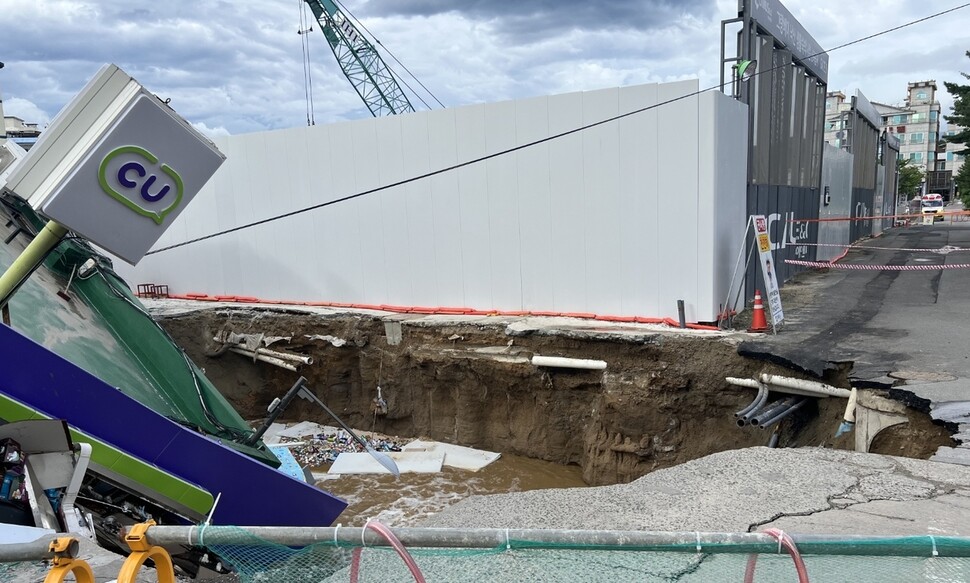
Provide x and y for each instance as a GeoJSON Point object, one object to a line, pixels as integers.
{"type": "Point", "coordinates": [961, 117]}
{"type": "Point", "coordinates": [910, 178]}
{"type": "Point", "coordinates": [961, 112]}
{"type": "Point", "coordinates": [962, 181]}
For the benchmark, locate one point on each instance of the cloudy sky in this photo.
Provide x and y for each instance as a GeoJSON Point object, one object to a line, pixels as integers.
{"type": "Point", "coordinates": [238, 66]}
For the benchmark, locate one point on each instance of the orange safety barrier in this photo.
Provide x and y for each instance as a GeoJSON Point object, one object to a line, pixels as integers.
{"type": "Point", "coordinates": [616, 318]}
{"type": "Point", "coordinates": [445, 310]}
{"type": "Point", "coordinates": [583, 315]}
{"type": "Point", "coordinates": [453, 310]}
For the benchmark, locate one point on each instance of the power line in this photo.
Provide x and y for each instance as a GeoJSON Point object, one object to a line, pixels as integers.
{"type": "Point", "coordinates": [526, 145]}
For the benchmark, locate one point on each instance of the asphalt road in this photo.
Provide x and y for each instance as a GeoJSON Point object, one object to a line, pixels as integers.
{"type": "Point", "coordinates": [909, 330]}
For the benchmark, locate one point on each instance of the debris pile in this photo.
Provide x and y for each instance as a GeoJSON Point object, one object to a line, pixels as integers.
{"type": "Point", "coordinates": [322, 449]}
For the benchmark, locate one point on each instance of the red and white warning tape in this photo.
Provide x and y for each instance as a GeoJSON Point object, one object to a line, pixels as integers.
{"type": "Point", "coordinates": [861, 267]}
{"type": "Point", "coordinates": [940, 250]}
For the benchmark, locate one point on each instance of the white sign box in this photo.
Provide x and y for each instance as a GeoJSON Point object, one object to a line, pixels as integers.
{"type": "Point", "coordinates": [116, 166]}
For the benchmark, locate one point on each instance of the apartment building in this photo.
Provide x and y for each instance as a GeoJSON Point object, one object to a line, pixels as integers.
{"type": "Point", "coordinates": [916, 123]}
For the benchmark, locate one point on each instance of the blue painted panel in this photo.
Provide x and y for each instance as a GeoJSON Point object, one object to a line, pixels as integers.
{"type": "Point", "coordinates": [252, 493]}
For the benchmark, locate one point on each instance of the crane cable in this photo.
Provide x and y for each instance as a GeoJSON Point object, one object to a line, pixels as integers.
{"type": "Point", "coordinates": [377, 41]}
{"type": "Point", "coordinates": [307, 76]}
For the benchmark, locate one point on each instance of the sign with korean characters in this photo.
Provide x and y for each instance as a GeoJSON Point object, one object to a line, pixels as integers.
{"type": "Point", "coordinates": [772, 294]}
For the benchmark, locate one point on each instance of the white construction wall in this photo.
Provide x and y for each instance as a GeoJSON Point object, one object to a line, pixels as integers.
{"type": "Point", "coordinates": [624, 218]}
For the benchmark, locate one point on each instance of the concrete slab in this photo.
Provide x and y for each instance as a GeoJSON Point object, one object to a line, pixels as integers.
{"type": "Point", "coordinates": [411, 462]}
{"type": "Point", "coordinates": [272, 435]}
{"type": "Point", "coordinates": [306, 428]}
{"type": "Point", "coordinates": [455, 456]}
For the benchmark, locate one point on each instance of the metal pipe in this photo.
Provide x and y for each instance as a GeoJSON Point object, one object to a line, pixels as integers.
{"type": "Point", "coordinates": [262, 357]}
{"type": "Point", "coordinates": [489, 538]}
{"type": "Point", "coordinates": [301, 358]}
{"type": "Point", "coordinates": [277, 411]}
{"type": "Point", "coordinates": [563, 362]}
{"type": "Point", "coordinates": [30, 259]}
{"type": "Point", "coordinates": [35, 550]}
{"type": "Point", "coordinates": [803, 387]}
{"type": "Point", "coordinates": [758, 401]}
{"type": "Point", "coordinates": [771, 410]}
{"type": "Point", "coordinates": [781, 414]}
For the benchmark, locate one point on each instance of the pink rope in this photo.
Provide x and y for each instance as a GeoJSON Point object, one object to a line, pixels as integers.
{"type": "Point", "coordinates": [401, 551]}
{"type": "Point", "coordinates": [783, 541]}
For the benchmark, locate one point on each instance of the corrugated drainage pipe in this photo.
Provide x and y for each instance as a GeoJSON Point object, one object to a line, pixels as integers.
{"type": "Point", "coordinates": [772, 410]}
{"type": "Point", "coordinates": [757, 403]}
{"type": "Point", "coordinates": [781, 414]}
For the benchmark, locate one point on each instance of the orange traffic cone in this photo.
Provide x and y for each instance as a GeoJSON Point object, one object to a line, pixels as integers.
{"type": "Point", "coordinates": [758, 321]}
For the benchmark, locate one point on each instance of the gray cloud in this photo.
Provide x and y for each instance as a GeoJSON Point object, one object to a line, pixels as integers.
{"type": "Point", "coordinates": [530, 21]}
{"type": "Point", "coordinates": [238, 66]}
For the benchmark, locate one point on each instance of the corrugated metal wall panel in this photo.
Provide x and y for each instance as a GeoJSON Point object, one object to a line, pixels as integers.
{"type": "Point", "coordinates": [613, 220]}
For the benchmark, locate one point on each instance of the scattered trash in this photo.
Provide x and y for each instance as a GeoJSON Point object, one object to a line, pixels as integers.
{"type": "Point", "coordinates": [323, 448]}
{"type": "Point", "coordinates": [338, 342]}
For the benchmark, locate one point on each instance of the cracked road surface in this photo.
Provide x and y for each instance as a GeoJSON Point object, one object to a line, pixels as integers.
{"type": "Point", "coordinates": [805, 490]}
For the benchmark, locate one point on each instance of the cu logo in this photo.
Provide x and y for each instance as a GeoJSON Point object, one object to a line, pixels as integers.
{"type": "Point", "coordinates": [132, 176]}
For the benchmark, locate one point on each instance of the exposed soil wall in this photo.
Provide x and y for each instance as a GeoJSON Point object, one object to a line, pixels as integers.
{"type": "Point", "coordinates": [661, 401]}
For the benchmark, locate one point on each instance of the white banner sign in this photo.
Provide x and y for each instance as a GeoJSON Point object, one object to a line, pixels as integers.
{"type": "Point", "coordinates": [772, 295]}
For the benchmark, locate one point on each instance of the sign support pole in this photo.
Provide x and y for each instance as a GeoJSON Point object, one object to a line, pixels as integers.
{"type": "Point", "coordinates": [30, 259]}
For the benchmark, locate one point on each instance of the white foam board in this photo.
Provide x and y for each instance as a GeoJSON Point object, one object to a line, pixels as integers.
{"type": "Point", "coordinates": [456, 456]}
{"type": "Point", "coordinates": [272, 435]}
{"type": "Point", "coordinates": [416, 462]}
{"type": "Point", "coordinates": [304, 428]}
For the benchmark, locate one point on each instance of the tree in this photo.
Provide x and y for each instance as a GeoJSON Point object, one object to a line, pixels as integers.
{"type": "Point", "coordinates": [961, 118]}
{"type": "Point", "coordinates": [910, 178]}
{"type": "Point", "coordinates": [962, 182]}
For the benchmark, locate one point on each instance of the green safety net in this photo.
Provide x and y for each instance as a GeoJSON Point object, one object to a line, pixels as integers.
{"type": "Point", "coordinates": [103, 328]}
{"type": "Point", "coordinates": [904, 559]}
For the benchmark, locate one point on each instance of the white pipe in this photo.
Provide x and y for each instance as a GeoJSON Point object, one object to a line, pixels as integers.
{"type": "Point", "coordinates": [563, 362]}
{"type": "Point", "coordinates": [274, 353]}
{"type": "Point", "coordinates": [849, 416]}
{"type": "Point", "coordinates": [803, 387]}
{"type": "Point", "coordinates": [264, 358]}
{"type": "Point", "coordinates": [750, 383]}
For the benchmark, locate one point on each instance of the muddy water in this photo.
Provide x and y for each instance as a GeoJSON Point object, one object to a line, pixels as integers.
{"type": "Point", "coordinates": [406, 500]}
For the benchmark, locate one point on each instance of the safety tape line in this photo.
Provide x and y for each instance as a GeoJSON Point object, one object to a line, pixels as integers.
{"type": "Point", "coordinates": [861, 267]}
{"type": "Point", "coordinates": [874, 217]}
{"type": "Point", "coordinates": [941, 250]}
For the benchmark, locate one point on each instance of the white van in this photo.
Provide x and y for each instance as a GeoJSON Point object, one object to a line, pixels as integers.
{"type": "Point", "coordinates": [932, 204]}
